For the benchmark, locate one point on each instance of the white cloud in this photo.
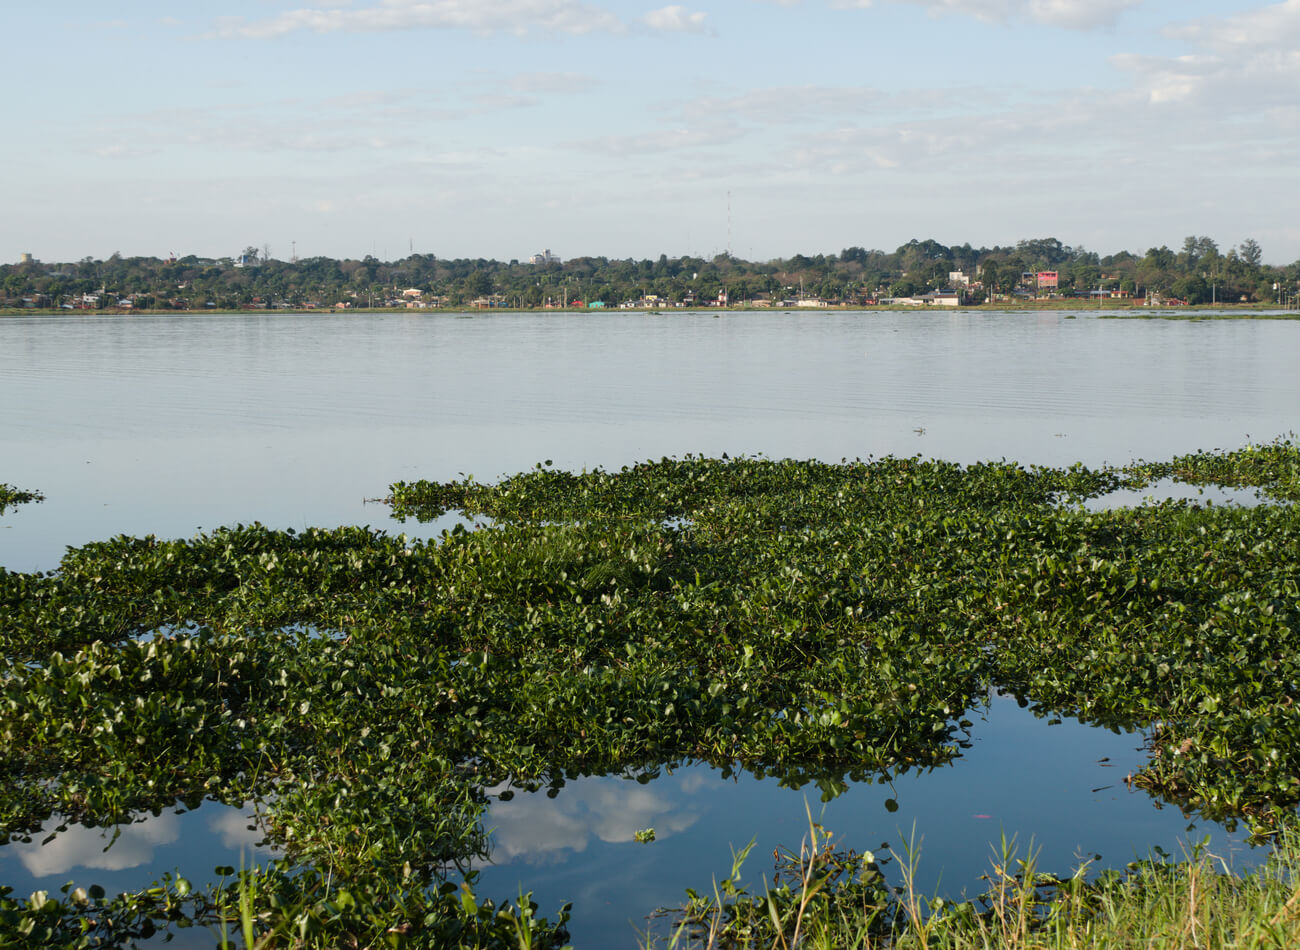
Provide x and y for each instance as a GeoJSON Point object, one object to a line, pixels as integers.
{"type": "Point", "coordinates": [1078, 14]}
{"type": "Point", "coordinates": [396, 120]}
{"type": "Point", "coordinates": [485, 16]}
{"type": "Point", "coordinates": [1274, 26]}
{"type": "Point", "coordinates": [665, 140]}
{"type": "Point", "coordinates": [1164, 80]}
{"type": "Point", "coordinates": [1070, 14]}
{"type": "Point", "coordinates": [554, 83]}
{"type": "Point", "coordinates": [798, 105]}
{"type": "Point", "coordinates": [1241, 65]}
{"type": "Point", "coordinates": [788, 104]}
{"type": "Point", "coordinates": [675, 19]}
{"type": "Point", "coordinates": [500, 101]}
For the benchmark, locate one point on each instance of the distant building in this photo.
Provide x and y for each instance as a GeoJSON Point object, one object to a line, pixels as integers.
{"type": "Point", "coordinates": [958, 279]}
{"type": "Point", "coordinates": [26, 259]}
{"type": "Point", "coordinates": [1048, 278]}
{"type": "Point", "coordinates": [941, 298]}
{"type": "Point", "coordinates": [546, 257]}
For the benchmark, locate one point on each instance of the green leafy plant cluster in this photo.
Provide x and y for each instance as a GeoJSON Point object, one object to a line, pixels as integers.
{"type": "Point", "coordinates": [944, 581]}
{"type": "Point", "coordinates": [283, 905]}
{"type": "Point", "coordinates": [822, 623]}
{"type": "Point", "coordinates": [1274, 467]}
{"type": "Point", "coordinates": [11, 497]}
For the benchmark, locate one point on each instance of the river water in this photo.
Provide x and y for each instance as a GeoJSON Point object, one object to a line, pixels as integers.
{"type": "Point", "coordinates": [174, 424]}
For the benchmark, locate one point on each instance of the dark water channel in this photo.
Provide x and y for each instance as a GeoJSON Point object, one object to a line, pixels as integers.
{"type": "Point", "coordinates": [171, 425]}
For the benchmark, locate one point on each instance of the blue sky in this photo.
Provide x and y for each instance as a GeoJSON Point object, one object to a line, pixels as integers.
{"type": "Point", "coordinates": [496, 128]}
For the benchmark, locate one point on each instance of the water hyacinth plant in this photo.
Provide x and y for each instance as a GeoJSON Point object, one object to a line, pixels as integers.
{"type": "Point", "coordinates": [823, 623]}
{"type": "Point", "coordinates": [11, 497]}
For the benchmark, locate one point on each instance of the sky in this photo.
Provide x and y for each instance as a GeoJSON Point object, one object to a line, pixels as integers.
{"type": "Point", "coordinates": [626, 128]}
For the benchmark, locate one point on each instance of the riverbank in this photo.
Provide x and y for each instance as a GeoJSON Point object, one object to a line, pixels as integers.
{"type": "Point", "coordinates": [1112, 310]}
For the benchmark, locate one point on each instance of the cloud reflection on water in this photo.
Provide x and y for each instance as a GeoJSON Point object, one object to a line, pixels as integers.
{"type": "Point", "coordinates": [239, 830]}
{"type": "Point", "coordinates": [109, 849]}
{"type": "Point", "coordinates": [538, 830]}
{"type": "Point", "coordinates": [224, 832]}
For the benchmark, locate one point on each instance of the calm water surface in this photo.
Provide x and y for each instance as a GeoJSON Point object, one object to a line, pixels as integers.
{"type": "Point", "coordinates": [170, 425]}
{"type": "Point", "coordinates": [165, 424]}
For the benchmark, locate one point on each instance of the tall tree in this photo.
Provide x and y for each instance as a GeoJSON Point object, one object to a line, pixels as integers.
{"type": "Point", "coordinates": [1251, 252]}
{"type": "Point", "coordinates": [991, 275]}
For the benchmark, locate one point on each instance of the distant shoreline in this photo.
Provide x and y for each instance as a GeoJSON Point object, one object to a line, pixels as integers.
{"type": "Point", "coordinates": [1112, 311]}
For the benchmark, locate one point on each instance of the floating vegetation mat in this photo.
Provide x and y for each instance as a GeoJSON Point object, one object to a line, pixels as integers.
{"type": "Point", "coordinates": [821, 623]}
{"type": "Point", "coordinates": [11, 497]}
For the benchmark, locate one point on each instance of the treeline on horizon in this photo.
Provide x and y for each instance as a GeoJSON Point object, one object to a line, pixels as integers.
{"type": "Point", "coordinates": [1198, 273]}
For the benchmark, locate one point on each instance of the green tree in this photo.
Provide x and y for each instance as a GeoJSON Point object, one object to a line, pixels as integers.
{"type": "Point", "coordinates": [991, 274]}
{"type": "Point", "coordinates": [1043, 253]}
{"type": "Point", "coordinates": [1192, 288]}
{"type": "Point", "coordinates": [1083, 276]}
{"type": "Point", "coordinates": [1251, 253]}
{"type": "Point", "coordinates": [477, 284]}
{"type": "Point", "coordinates": [15, 285]}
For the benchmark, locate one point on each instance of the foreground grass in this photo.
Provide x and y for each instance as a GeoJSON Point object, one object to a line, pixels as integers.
{"type": "Point", "coordinates": [823, 898]}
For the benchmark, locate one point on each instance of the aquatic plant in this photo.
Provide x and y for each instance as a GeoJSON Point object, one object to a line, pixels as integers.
{"type": "Point", "coordinates": [283, 906]}
{"type": "Point", "coordinates": [819, 622]}
{"type": "Point", "coordinates": [11, 497]}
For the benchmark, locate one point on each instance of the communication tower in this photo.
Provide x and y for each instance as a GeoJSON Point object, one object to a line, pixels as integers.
{"type": "Point", "coordinates": [729, 223]}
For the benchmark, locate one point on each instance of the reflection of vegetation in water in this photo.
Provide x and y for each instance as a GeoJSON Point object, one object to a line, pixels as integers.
{"type": "Point", "coordinates": [819, 622]}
